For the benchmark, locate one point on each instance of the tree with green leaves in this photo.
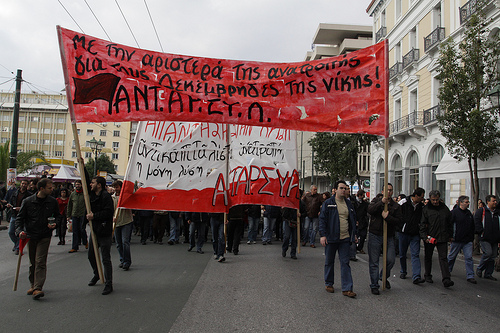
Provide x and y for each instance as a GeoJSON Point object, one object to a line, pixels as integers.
{"type": "Point", "coordinates": [468, 71]}
{"type": "Point", "coordinates": [103, 164]}
{"type": "Point", "coordinates": [25, 160]}
{"type": "Point", "coordinates": [336, 154]}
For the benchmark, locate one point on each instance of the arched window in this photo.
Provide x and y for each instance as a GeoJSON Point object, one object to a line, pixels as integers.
{"type": "Point", "coordinates": [414, 171]}
{"type": "Point", "coordinates": [397, 166]}
{"type": "Point", "coordinates": [436, 156]}
{"type": "Point", "coordinates": [381, 175]}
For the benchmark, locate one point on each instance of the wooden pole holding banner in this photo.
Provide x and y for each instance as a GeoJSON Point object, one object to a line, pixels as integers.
{"type": "Point", "coordinates": [226, 214]}
{"type": "Point", "coordinates": [298, 209]}
{"type": "Point", "coordinates": [386, 163]}
{"type": "Point", "coordinates": [20, 255]}
{"type": "Point", "coordinates": [81, 165]}
{"type": "Point", "coordinates": [86, 196]}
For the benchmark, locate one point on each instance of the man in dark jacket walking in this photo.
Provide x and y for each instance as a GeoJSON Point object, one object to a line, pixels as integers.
{"type": "Point", "coordinates": [436, 230]}
{"type": "Point", "coordinates": [463, 225]}
{"type": "Point", "coordinates": [337, 229]}
{"type": "Point", "coordinates": [409, 235]}
{"type": "Point", "coordinates": [101, 217]}
{"type": "Point", "coordinates": [37, 217]}
{"type": "Point", "coordinates": [376, 236]}
{"type": "Point", "coordinates": [487, 226]}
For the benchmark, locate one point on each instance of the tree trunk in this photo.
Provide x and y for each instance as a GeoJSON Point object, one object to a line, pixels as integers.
{"type": "Point", "coordinates": [476, 183]}
{"type": "Point", "coordinates": [474, 189]}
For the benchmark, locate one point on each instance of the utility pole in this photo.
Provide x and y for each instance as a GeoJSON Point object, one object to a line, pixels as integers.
{"type": "Point", "coordinates": [15, 127]}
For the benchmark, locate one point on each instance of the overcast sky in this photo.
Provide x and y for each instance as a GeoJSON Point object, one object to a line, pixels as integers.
{"type": "Point", "coordinates": [259, 30]}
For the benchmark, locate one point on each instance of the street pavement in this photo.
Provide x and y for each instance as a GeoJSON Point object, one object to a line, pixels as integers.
{"type": "Point", "coordinates": [169, 289]}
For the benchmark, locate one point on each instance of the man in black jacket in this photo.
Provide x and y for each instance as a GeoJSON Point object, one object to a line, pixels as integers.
{"type": "Point", "coordinates": [487, 226]}
{"type": "Point", "coordinates": [436, 230]}
{"type": "Point", "coordinates": [101, 216]}
{"type": "Point", "coordinates": [376, 236]}
{"type": "Point", "coordinates": [463, 223]}
{"type": "Point", "coordinates": [409, 234]}
{"type": "Point", "coordinates": [37, 217]}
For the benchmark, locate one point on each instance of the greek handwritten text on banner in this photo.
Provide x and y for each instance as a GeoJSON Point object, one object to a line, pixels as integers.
{"type": "Point", "coordinates": [182, 167]}
{"type": "Point", "coordinates": [112, 82]}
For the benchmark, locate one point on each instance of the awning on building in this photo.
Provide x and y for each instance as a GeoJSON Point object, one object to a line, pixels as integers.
{"type": "Point", "coordinates": [450, 168]}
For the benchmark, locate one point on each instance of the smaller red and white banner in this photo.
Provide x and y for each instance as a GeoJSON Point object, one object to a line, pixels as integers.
{"type": "Point", "coordinates": [207, 167]}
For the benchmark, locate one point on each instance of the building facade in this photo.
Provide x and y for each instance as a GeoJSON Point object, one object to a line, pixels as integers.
{"type": "Point", "coordinates": [417, 155]}
{"type": "Point", "coordinates": [331, 40]}
{"type": "Point", "coordinates": [45, 125]}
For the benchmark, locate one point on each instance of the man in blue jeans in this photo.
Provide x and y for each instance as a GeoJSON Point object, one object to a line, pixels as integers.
{"type": "Point", "coordinates": [337, 229]}
{"type": "Point", "coordinates": [376, 236]}
{"type": "Point", "coordinates": [487, 226]}
{"type": "Point", "coordinates": [463, 236]}
{"type": "Point", "coordinates": [409, 234]}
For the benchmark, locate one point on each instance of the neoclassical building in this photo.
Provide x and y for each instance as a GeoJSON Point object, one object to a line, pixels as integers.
{"type": "Point", "coordinates": [417, 153]}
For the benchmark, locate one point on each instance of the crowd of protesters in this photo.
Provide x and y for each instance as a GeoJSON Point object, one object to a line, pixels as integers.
{"type": "Point", "coordinates": [345, 223]}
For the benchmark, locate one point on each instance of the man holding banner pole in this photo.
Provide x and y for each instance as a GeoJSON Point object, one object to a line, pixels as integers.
{"type": "Point", "coordinates": [37, 217]}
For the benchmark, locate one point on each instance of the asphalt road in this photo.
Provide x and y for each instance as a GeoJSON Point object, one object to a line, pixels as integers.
{"type": "Point", "coordinates": [168, 289]}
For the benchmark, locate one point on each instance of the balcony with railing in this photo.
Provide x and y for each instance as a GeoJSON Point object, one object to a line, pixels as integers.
{"type": "Point", "coordinates": [433, 39]}
{"type": "Point", "coordinates": [411, 58]}
{"type": "Point", "coordinates": [431, 115]}
{"type": "Point", "coordinates": [396, 69]}
{"type": "Point", "coordinates": [381, 33]}
{"type": "Point", "coordinates": [406, 123]}
{"type": "Point", "coordinates": [467, 10]}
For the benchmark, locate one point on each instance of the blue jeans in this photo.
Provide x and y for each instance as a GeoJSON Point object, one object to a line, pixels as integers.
{"type": "Point", "coordinates": [487, 262]}
{"type": "Point", "coordinates": [197, 228]}
{"type": "Point", "coordinates": [253, 225]}
{"type": "Point", "coordinates": [455, 248]}
{"type": "Point", "coordinates": [218, 241]}
{"type": "Point", "coordinates": [313, 228]}
{"type": "Point", "coordinates": [267, 233]}
{"type": "Point", "coordinates": [122, 236]}
{"type": "Point", "coordinates": [12, 233]}
{"type": "Point", "coordinates": [375, 244]}
{"type": "Point", "coordinates": [175, 227]}
{"type": "Point", "coordinates": [345, 269]}
{"type": "Point", "coordinates": [79, 232]}
{"type": "Point", "coordinates": [413, 241]}
{"type": "Point", "coordinates": [288, 233]}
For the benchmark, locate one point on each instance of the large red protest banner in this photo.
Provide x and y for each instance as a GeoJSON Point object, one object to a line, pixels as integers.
{"type": "Point", "coordinates": [112, 82]}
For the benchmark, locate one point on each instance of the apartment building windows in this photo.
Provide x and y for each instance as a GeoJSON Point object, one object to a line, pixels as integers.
{"type": "Point", "coordinates": [102, 133]}
{"type": "Point", "coordinates": [436, 156]}
{"type": "Point", "coordinates": [116, 133]}
{"type": "Point", "coordinates": [90, 132]}
{"type": "Point", "coordinates": [398, 175]}
{"type": "Point", "coordinates": [114, 156]}
{"type": "Point", "coordinates": [414, 171]}
{"type": "Point", "coordinates": [413, 101]}
{"type": "Point", "coordinates": [398, 8]}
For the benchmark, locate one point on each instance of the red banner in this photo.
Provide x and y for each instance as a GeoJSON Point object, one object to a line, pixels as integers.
{"type": "Point", "coordinates": [111, 82]}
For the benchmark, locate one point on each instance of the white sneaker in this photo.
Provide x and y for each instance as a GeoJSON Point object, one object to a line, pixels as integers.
{"type": "Point", "coordinates": [254, 242]}
{"type": "Point", "coordinates": [216, 257]}
{"type": "Point", "coordinates": [249, 242]}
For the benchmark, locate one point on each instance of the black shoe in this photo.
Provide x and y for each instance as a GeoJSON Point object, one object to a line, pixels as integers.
{"type": "Point", "coordinates": [126, 267]}
{"type": "Point", "coordinates": [235, 252]}
{"type": "Point", "coordinates": [387, 285]}
{"type": "Point", "coordinates": [170, 242]}
{"type": "Point", "coordinates": [402, 276]}
{"type": "Point", "coordinates": [199, 251]}
{"type": "Point", "coordinates": [448, 283]}
{"type": "Point", "coordinates": [190, 248]}
{"type": "Point", "coordinates": [283, 253]}
{"type": "Point", "coordinates": [375, 291]}
{"type": "Point", "coordinates": [490, 278]}
{"type": "Point", "coordinates": [93, 281]}
{"type": "Point", "coordinates": [107, 289]}
{"type": "Point", "coordinates": [120, 265]}
{"type": "Point", "coordinates": [418, 281]}
{"type": "Point", "coordinates": [353, 259]}
{"type": "Point", "coordinates": [472, 280]}
{"type": "Point", "coordinates": [428, 279]}
{"type": "Point", "coordinates": [143, 243]}
{"type": "Point", "coordinates": [228, 250]}
{"type": "Point", "coordinates": [293, 256]}
{"type": "Point", "coordinates": [221, 259]}
{"type": "Point", "coordinates": [479, 273]}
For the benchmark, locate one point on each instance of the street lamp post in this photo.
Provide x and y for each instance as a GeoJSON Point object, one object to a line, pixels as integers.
{"type": "Point", "coordinates": [96, 147]}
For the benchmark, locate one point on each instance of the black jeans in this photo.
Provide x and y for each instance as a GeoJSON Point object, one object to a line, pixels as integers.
{"type": "Point", "coordinates": [104, 243]}
{"type": "Point", "coordinates": [234, 234]}
{"type": "Point", "coordinates": [442, 249]}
